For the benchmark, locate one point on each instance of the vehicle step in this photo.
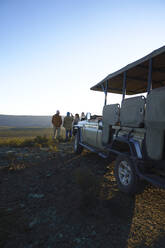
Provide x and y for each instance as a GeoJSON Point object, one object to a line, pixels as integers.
{"type": "Point", "coordinates": [101, 154]}
{"type": "Point", "coordinates": [154, 179]}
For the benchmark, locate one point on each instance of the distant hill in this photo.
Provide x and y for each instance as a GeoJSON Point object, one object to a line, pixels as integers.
{"type": "Point", "coordinates": [25, 121]}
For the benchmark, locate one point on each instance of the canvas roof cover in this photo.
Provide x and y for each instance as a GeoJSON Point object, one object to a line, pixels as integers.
{"type": "Point", "coordinates": [137, 75]}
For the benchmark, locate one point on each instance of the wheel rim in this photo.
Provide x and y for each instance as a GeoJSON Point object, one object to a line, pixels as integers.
{"type": "Point", "coordinates": [124, 173]}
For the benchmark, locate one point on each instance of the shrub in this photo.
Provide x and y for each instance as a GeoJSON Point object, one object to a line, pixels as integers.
{"type": "Point", "coordinates": [39, 141]}
{"type": "Point", "coordinates": [17, 142]}
{"type": "Point", "coordinates": [53, 148]}
{"type": "Point", "coordinates": [11, 156]}
{"type": "Point", "coordinates": [42, 140]}
{"type": "Point", "coordinates": [28, 143]}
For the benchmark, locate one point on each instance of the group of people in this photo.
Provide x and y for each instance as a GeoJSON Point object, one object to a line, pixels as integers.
{"type": "Point", "coordinates": [69, 121]}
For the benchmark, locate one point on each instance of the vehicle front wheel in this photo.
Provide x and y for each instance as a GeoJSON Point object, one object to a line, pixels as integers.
{"type": "Point", "coordinates": [125, 175]}
{"type": "Point", "coordinates": [77, 147]}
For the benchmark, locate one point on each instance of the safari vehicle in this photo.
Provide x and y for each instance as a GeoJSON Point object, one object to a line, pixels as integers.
{"type": "Point", "coordinates": [132, 133]}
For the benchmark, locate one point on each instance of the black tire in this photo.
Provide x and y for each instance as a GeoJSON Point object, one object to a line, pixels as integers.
{"type": "Point", "coordinates": [125, 174]}
{"type": "Point", "coordinates": [77, 147]}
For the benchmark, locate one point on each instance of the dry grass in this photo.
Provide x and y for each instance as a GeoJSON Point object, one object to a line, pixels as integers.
{"type": "Point", "coordinates": [27, 137]}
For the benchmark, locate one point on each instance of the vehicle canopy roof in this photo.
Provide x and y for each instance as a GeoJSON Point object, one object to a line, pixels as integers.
{"type": "Point", "coordinates": [136, 75]}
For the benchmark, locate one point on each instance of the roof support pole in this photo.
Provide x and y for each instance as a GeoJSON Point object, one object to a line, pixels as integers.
{"type": "Point", "coordinates": [106, 87]}
{"type": "Point", "coordinates": [124, 84]}
{"type": "Point", "coordinates": [149, 76]}
{"type": "Point", "coordinates": [105, 91]}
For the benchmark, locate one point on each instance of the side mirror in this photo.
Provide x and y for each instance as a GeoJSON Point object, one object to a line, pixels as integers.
{"type": "Point", "coordinates": [88, 116]}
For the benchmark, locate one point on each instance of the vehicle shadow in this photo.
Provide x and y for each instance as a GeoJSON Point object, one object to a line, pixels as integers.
{"type": "Point", "coordinates": [112, 213]}
{"type": "Point", "coordinates": [127, 221]}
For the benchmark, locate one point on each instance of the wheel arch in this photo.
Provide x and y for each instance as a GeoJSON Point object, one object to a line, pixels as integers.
{"type": "Point", "coordinates": [127, 146]}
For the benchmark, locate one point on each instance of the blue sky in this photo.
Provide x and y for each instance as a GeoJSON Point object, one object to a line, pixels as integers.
{"type": "Point", "coordinates": [52, 52]}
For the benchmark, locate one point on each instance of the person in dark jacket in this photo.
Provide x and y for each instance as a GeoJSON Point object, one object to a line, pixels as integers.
{"type": "Point", "coordinates": [56, 121]}
{"type": "Point", "coordinates": [68, 122]}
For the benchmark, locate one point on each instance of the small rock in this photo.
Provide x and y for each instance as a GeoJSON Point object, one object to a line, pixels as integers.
{"type": "Point", "coordinates": [38, 196]}
{"type": "Point", "coordinates": [22, 205]}
{"type": "Point", "coordinates": [44, 149]}
{"type": "Point", "coordinates": [34, 222]}
{"type": "Point", "coordinates": [78, 240]}
{"type": "Point", "coordinates": [93, 233]}
{"type": "Point", "coordinates": [49, 174]}
{"type": "Point", "coordinates": [62, 154]}
{"type": "Point", "coordinates": [10, 152]}
{"type": "Point", "coordinates": [60, 235]}
{"type": "Point", "coordinates": [9, 209]}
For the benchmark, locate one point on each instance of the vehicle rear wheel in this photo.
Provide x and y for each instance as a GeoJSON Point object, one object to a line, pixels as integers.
{"type": "Point", "coordinates": [77, 147]}
{"type": "Point", "coordinates": [125, 175]}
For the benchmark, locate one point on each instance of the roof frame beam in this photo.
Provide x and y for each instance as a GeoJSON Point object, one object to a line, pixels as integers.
{"type": "Point", "coordinates": [153, 69]}
{"type": "Point", "coordinates": [120, 90]}
{"type": "Point", "coordinates": [142, 79]}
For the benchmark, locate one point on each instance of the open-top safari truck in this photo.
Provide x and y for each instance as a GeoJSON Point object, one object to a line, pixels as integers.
{"type": "Point", "coordinates": [133, 133]}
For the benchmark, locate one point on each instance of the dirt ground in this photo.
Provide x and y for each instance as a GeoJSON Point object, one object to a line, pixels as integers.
{"type": "Point", "coordinates": [41, 205]}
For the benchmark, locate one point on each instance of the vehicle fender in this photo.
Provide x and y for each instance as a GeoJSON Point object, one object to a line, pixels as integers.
{"type": "Point", "coordinates": [134, 146]}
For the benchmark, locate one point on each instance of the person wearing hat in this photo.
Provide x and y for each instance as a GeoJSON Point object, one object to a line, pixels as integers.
{"type": "Point", "coordinates": [56, 121]}
{"type": "Point", "coordinates": [68, 121]}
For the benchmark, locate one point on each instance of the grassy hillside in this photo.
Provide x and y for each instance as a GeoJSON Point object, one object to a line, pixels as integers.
{"type": "Point", "coordinates": [7, 132]}
{"type": "Point", "coordinates": [25, 121]}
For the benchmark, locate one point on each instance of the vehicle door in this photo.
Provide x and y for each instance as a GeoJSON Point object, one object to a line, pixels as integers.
{"type": "Point", "coordinates": [90, 130]}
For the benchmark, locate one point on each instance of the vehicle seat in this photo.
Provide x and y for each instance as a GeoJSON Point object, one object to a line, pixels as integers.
{"type": "Point", "coordinates": [110, 118]}
{"type": "Point", "coordinates": [132, 112]}
{"type": "Point", "coordinates": [155, 123]}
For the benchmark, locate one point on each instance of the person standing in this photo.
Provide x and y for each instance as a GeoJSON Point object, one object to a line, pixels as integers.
{"type": "Point", "coordinates": [76, 119]}
{"type": "Point", "coordinates": [82, 116]}
{"type": "Point", "coordinates": [56, 121]}
{"type": "Point", "coordinates": [75, 122]}
{"type": "Point", "coordinates": [68, 120]}
{"type": "Point", "coordinates": [72, 116]}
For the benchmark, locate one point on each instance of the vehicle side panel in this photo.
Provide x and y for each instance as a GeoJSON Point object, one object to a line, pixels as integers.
{"type": "Point", "coordinates": [90, 133]}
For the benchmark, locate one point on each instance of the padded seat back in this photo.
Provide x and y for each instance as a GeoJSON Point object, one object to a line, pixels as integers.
{"type": "Point", "coordinates": [110, 118]}
{"type": "Point", "coordinates": [154, 143]}
{"type": "Point", "coordinates": [155, 109]}
{"type": "Point", "coordinates": [155, 123]}
{"type": "Point", "coordinates": [132, 112]}
{"type": "Point", "coordinates": [111, 114]}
